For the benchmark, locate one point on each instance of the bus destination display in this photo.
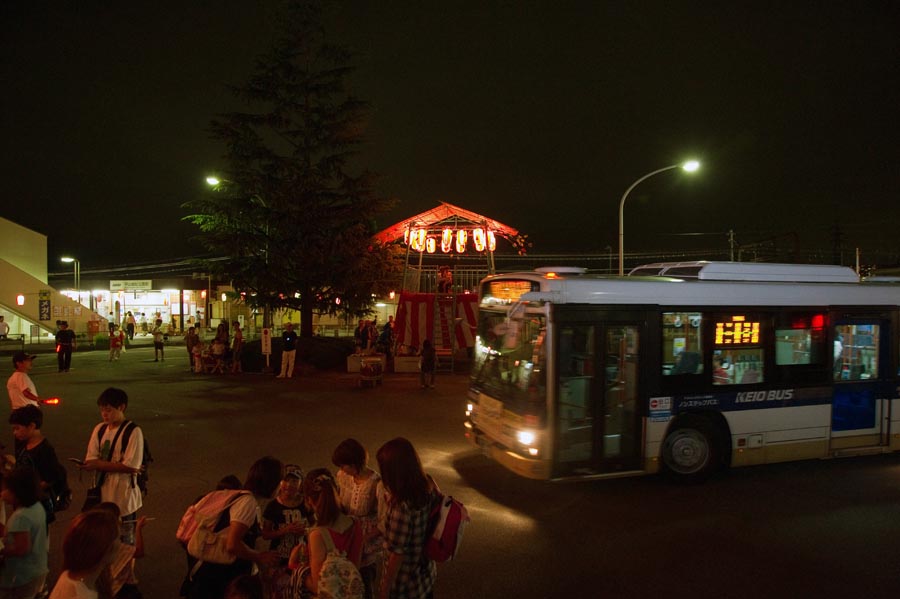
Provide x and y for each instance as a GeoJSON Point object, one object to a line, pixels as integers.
{"type": "Point", "coordinates": [737, 331]}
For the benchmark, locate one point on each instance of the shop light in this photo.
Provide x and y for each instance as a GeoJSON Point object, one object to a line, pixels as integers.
{"type": "Point", "coordinates": [224, 297]}
{"type": "Point", "coordinates": [491, 241]}
{"type": "Point", "coordinates": [20, 300]}
{"type": "Point", "coordinates": [430, 245]}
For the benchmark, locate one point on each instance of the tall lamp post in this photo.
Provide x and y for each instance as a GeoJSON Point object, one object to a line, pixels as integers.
{"type": "Point", "coordinates": [77, 271]}
{"type": "Point", "coordinates": [690, 166]}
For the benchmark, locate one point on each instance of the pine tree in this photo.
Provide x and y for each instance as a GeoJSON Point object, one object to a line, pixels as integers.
{"type": "Point", "coordinates": [294, 221]}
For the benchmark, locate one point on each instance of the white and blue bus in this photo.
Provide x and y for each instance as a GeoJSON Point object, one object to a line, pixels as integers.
{"type": "Point", "coordinates": [683, 367]}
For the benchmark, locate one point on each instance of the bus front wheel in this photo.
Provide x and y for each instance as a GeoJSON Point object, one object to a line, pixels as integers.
{"type": "Point", "coordinates": [691, 451]}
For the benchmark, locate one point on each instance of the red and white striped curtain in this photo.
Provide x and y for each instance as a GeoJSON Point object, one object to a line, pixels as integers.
{"type": "Point", "coordinates": [416, 314]}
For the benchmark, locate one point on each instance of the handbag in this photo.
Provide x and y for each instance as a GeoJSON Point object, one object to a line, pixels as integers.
{"type": "Point", "coordinates": [93, 498]}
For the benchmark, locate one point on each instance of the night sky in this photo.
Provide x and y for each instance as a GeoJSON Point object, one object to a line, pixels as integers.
{"type": "Point", "coordinates": [537, 114]}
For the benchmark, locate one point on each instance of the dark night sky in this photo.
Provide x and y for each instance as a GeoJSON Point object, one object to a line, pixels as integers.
{"type": "Point", "coordinates": [538, 114]}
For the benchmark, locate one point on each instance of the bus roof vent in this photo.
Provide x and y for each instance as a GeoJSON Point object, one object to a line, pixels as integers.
{"type": "Point", "coordinates": [553, 271]}
{"type": "Point", "coordinates": [750, 271]}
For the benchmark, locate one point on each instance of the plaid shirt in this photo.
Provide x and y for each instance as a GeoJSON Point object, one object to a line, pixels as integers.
{"type": "Point", "coordinates": [406, 530]}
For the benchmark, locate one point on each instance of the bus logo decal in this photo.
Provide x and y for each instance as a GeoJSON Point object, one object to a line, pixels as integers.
{"type": "Point", "coordinates": [757, 396]}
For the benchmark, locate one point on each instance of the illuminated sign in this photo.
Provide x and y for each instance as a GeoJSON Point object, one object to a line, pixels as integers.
{"type": "Point", "coordinates": [737, 331]}
{"type": "Point", "coordinates": [143, 285]}
{"type": "Point", "coordinates": [507, 291]}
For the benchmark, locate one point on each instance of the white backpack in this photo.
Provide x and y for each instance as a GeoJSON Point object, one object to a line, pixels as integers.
{"type": "Point", "coordinates": [339, 578]}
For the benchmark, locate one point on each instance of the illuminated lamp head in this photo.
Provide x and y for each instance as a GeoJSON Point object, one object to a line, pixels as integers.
{"type": "Point", "coordinates": [491, 241]}
{"type": "Point", "coordinates": [430, 245]}
{"type": "Point", "coordinates": [478, 239]}
{"type": "Point", "coordinates": [462, 236]}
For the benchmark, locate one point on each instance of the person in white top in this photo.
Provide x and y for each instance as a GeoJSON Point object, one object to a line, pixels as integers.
{"type": "Point", "coordinates": [117, 460]}
{"type": "Point", "coordinates": [20, 387]}
{"type": "Point", "coordinates": [4, 328]}
{"type": "Point", "coordinates": [88, 549]}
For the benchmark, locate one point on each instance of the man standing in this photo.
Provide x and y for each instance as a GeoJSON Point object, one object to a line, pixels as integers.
{"type": "Point", "coordinates": [115, 452]}
{"type": "Point", "coordinates": [20, 387]}
{"type": "Point", "coordinates": [129, 326]}
{"type": "Point", "coordinates": [4, 328]}
{"type": "Point", "coordinates": [65, 343]}
{"type": "Point", "coordinates": [288, 351]}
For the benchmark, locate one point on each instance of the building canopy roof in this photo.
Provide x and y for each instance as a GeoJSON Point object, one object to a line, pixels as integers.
{"type": "Point", "coordinates": [445, 214]}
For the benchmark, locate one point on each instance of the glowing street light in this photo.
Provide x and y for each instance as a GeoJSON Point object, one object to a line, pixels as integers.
{"type": "Point", "coordinates": [77, 270]}
{"type": "Point", "coordinates": [213, 181]}
{"type": "Point", "coordinates": [689, 167]}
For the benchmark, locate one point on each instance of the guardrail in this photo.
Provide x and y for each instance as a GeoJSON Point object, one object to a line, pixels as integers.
{"type": "Point", "coordinates": [12, 344]}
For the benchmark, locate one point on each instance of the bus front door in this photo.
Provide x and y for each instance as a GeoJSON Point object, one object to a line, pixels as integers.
{"type": "Point", "coordinates": [862, 384]}
{"type": "Point", "coordinates": [598, 420]}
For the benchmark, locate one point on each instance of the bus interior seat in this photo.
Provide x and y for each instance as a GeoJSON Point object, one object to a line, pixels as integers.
{"type": "Point", "coordinates": [688, 362]}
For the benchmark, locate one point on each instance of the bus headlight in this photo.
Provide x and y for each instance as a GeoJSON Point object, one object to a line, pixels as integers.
{"type": "Point", "coordinates": [525, 437]}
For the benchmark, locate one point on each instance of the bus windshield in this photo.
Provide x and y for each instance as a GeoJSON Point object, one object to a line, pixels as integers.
{"type": "Point", "coordinates": [509, 361]}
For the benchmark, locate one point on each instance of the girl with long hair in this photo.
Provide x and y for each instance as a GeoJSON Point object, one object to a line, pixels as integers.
{"type": "Point", "coordinates": [404, 510]}
{"type": "Point", "coordinates": [88, 548]}
{"type": "Point", "coordinates": [345, 533]}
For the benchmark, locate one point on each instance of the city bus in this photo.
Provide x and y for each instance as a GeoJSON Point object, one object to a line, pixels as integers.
{"type": "Point", "coordinates": [683, 368]}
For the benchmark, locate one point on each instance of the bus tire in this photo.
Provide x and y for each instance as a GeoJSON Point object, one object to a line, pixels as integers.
{"type": "Point", "coordinates": [692, 450]}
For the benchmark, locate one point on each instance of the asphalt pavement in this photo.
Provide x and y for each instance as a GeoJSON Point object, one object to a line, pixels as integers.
{"type": "Point", "coordinates": [823, 528]}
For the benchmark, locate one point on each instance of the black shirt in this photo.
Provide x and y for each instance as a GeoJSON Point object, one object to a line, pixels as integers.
{"type": "Point", "coordinates": [42, 459]}
{"type": "Point", "coordinates": [289, 341]}
{"type": "Point", "coordinates": [65, 337]}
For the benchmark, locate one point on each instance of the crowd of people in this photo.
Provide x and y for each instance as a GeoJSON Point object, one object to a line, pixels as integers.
{"type": "Point", "coordinates": [282, 526]}
{"type": "Point", "coordinates": [223, 352]}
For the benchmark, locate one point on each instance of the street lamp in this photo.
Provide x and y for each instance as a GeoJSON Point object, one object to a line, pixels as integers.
{"type": "Point", "coordinates": [690, 166]}
{"type": "Point", "coordinates": [77, 271]}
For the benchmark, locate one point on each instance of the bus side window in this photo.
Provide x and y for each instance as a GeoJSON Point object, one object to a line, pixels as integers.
{"type": "Point", "coordinates": [856, 349]}
{"type": "Point", "coordinates": [800, 339]}
{"type": "Point", "coordinates": [682, 347]}
{"type": "Point", "coordinates": [738, 367]}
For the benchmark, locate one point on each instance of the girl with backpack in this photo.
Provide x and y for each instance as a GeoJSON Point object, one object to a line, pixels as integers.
{"type": "Point", "coordinates": [335, 543]}
{"type": "Point", "coordinates": [404, 509]}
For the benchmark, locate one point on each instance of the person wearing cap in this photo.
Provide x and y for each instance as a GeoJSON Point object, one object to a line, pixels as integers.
{"type": "Point", "coordinates": [20, 387]}
{"type": "Point", "coordinates": [65, 343]}
{"type": "Point", "coordinates": [285, 520]}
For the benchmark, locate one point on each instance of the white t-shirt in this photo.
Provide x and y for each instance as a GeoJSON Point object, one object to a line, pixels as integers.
{"type": "Point", "coordinates": [16, 385]}
{"type": "Point", "coordinates": [119, 487]}
{"type": "Point", "coordinates": [66, 588]}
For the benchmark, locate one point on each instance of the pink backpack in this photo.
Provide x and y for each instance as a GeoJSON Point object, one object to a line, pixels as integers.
{"type": "Point", "coordinates": [448, 521]}
{"type": "Point", "coordinates": [212, 504]}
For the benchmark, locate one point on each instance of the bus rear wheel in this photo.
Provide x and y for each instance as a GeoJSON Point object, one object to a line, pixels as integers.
{"type": "Point", "coordinates": [692, 450]}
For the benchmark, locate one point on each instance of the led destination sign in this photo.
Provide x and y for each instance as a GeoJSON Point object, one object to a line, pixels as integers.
{"type": "Point", "coordinates": [737, 331]}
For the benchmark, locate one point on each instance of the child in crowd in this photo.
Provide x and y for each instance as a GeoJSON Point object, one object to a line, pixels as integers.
{"type": "Point", "coordinates": [285, 521]}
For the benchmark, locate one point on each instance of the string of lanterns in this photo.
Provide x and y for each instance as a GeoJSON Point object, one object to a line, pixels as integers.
{"type": "Point", "coordinates": [419, 240]}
